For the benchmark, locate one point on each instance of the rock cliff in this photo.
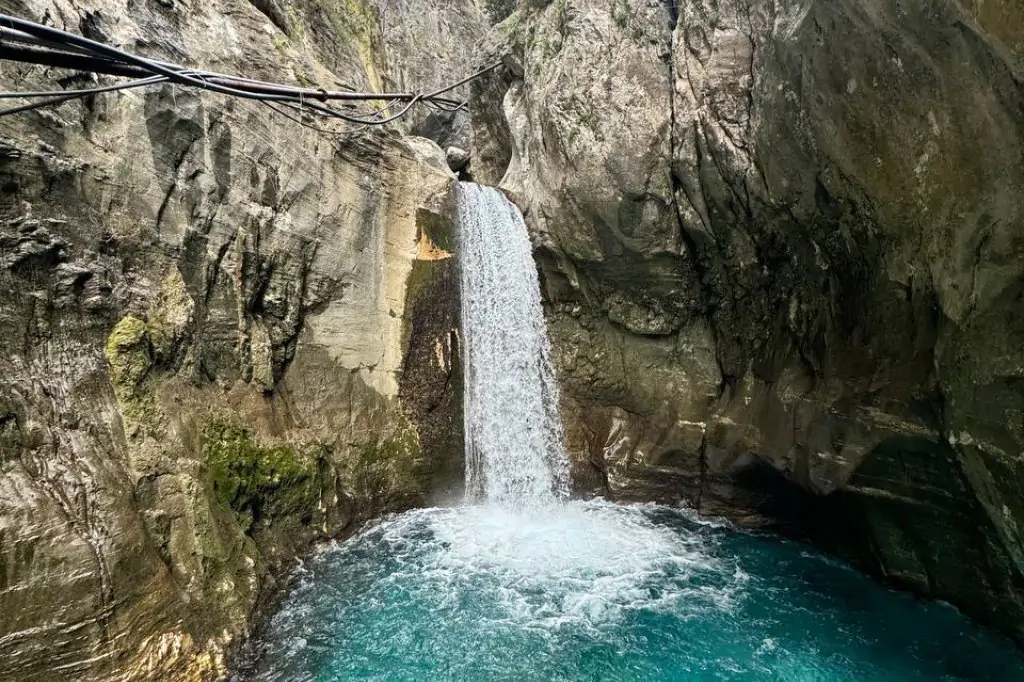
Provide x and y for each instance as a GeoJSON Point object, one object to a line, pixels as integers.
{"type": "Point", "coordinates": [216, 344]}
{"type": "Point", "coordinates": [783, 248]}
{"type": "Point", "coordinates": [781, 245]}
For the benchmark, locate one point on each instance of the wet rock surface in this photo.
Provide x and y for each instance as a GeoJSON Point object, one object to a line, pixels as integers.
{"type": "Point", "coordinates": [204, 328]}
{"type": "Point", "coordinates": [781, 245]}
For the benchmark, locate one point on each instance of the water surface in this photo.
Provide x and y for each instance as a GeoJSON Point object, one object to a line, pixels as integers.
{"type": "Point", "coordinates": [594, 591]}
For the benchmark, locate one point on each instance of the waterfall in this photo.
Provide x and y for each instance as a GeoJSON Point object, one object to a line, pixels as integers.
{"type": "Point", "coordinates": [515, 451]}
{"type": "Point", "coordinates": [526, 587]}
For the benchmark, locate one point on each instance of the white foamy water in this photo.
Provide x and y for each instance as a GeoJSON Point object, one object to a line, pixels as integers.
{"type": "Point", "coordinates": [587, 565]}
{"type": "Point", "coordinates": [597, 591]}
{"type": "Point", "coordinates": [515, 456]}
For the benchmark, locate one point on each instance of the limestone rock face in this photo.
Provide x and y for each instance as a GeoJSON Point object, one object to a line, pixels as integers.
{"type": "Point", "coordinates": [432, 44]}
{"type": "Point", "coordinates": [783, 248]}
{"type": "Point", "coordinates": [208, 316]}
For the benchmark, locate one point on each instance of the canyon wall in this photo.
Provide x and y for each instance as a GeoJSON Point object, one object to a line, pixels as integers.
{"type": "Point", "coordinates": [223, 334]}
{"type": "Point", "coordinates": [781, 245]}
{"type": "Point", "coordinates": [783, 250]}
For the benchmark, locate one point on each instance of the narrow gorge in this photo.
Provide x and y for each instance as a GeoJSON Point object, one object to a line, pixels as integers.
{"type": "Point", "coordinates": [282, 399]}
{"type": "Point", "coordinates": [522, 583]}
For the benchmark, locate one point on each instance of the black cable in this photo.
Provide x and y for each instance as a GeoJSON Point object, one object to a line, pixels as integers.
{"type": "Point", "coordinates": [69, 95]}
{"type": "Point", "coordinates": [36, 105]}
{"type": "Point", "coordinates": [84, 91]}
{"type": "Point", "coordinates": [175, 74]}
{"type": "Point", "coordinates": [465, 80]}
{"type": "Point", "coordinates": [53, 47]}
{"type": "Point", "coordinates": [309, 107]}
{"type": "Point", "coordinates": [64, 58]}
{"type": "Point", "coordinates": [279, 108]}
{"type": "Point", "coordinates": [285, 93]}
{"type": "Point", "coordinates": [57, 35]}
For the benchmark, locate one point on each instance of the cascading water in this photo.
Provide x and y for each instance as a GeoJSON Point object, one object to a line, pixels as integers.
{"type": "Point", "coordinates": [515, 456]}
{"type": "Point", "coordinates": [523, 586]}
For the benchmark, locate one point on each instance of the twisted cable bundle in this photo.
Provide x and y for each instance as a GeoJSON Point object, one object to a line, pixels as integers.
{"type": "Point", "coordinates": [28, 42]}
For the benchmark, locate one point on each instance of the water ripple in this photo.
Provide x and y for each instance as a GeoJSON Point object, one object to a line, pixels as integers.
{"type": "Point", "coordinates": [597, 591]}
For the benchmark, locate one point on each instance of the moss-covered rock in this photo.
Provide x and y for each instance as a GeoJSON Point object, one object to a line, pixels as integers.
{"type": "Point", "coordinates": [255, 479]}
{"type": "Point", "coordinates": [130, 356]}
{"type": "Point", "coordinates": [128, 353]}
{"type": "Point", "coordinates": [384, 472]}
{"type": "Point", "coordinates": [170, 316]}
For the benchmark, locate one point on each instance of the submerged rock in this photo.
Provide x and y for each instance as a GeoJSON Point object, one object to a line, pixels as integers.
{"type": "Point", "coordinates": [781, 246]}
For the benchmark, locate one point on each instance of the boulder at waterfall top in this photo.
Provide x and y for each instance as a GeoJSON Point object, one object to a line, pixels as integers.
{"type": "Point", "coordinates": [783, 250]}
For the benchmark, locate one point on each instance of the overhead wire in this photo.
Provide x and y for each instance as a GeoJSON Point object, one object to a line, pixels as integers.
{"type": "Point", "coordinates": [22, 30]}
{"type": "Point", "coordinates": [55, 98]}
{"type": "Point", "coordinates": [28, 42]}
{"type": "Point", "coordinates": [82, 92]}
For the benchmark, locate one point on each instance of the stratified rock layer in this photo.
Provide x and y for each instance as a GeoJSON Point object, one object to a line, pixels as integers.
{"type": "Point", "coordinates": [209, 316]}
{"type": "Point", "coordinates": [783, 245]}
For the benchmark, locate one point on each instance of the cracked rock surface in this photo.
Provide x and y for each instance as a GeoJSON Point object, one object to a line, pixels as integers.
{"type": "Point", "coordinates": [212, 347]}
{"type": "Point", "coordinates": [782, 245]}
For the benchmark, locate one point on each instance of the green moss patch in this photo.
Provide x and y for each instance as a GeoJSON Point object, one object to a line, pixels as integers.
{"type": "Point", "coordinates": [169, 316]}
{"type": "Point", "coordinates": [251, 478]}
{"type": "Point", "coordinates": [130, 356]}
{"type": "Point", "coordinates": [385, 472]}
{"type": "Point", "coordinates": [136, 349]}
{"type": "Point", "coordinates": [128, 352]}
